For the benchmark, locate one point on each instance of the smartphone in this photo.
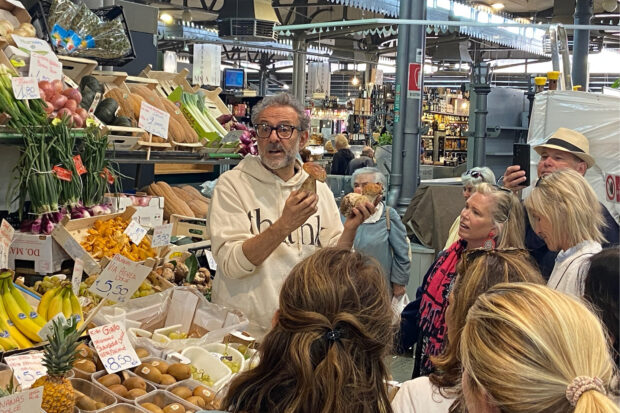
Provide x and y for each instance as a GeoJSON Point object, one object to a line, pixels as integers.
{"type": "Point", "coordinates": [521, 157]}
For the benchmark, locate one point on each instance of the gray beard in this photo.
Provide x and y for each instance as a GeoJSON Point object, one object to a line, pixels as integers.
{"type": "Point", "coordinates": [288, 160]}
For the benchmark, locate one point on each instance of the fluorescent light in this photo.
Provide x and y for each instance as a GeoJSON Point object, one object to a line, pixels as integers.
{"type": "Point", "coordinates": [166, 18]}
{"type": "Point", "coordinates": [497, 6]}
{"type": "Point", "coordinates": [285, 86]}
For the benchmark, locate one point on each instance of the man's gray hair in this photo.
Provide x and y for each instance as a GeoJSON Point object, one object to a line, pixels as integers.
{"type": "Point", "coordinates": [378, 177]}
{"type": "Point", "coordinates": [282, 99]}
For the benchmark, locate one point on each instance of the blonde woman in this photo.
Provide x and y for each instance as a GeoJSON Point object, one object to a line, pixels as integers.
{"type": "Point", "coordinates": [478, 270]}
{"type": "Point", "coordinates": [565, 213]}
{"type": "Point", "coordinates": [526, 348]}
{"type": "Point", "coordinates": [342, 157]}
{"type": "Point", "coordinates": [492, 217]}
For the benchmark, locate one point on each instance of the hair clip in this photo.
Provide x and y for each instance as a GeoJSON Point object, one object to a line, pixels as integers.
{"type": "Point", "coordinates": [333, 335]}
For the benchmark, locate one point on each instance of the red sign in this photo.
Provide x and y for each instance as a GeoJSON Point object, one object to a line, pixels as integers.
{"type": "Point", "coordinates": [415, 70]}
{"type": "Point", "coordinates": [612, 188]}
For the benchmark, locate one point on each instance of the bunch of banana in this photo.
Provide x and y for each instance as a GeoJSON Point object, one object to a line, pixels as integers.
{"type": "Point", "coordinates": [19, 323]}
{"type": "Point", "coordinates": [61, 299]}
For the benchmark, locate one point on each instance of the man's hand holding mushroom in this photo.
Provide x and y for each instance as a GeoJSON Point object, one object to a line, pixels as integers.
{"type": "Point", "coordinates": [299, 206]}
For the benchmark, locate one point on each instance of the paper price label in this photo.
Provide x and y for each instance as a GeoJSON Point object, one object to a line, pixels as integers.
{"type": "Point", "coordinates": [76, 278]}
{"type": "Point", "coordinates": [135, 232]}
{"type": "Point", "coordinates": [113, 347]}
{"type": "Point", "coordinates": [27, 367]}
{"type": "Point", "coordinates": [211, 260]}
{"type": "Point", "coordinates": [33, 44]}
{"type": "Point", "coordinates": [23, 402]}
{"type": "Point", "coordinates": [161, 235]}
{"type": "Point", "coordinates": [6, 238]}
{"type": "Point", "coordinates": [25, 88]}
{"type": "Point", "coordinates": [154, 120]}
{"type": "Point", "coordinates": [44, 68]}
{"type": "Point", "coordinates": [120, 279]}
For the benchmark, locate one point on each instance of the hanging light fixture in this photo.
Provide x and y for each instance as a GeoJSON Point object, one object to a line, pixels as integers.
{"type": "Point", "coordinates": [355, 81]}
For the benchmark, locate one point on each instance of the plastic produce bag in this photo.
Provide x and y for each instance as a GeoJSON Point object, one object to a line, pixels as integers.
{"type": "Point", "coordinates": [207, 188]}
{"type": "Point", "coordinates": [61, 13]}
{"type": "Point", "coordinates": [178, 305]}
{"type": "Point", "coordinates": [398, 305]}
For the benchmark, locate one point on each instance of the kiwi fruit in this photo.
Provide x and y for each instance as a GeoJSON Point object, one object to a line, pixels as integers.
{"type": "Point", "coordinates": [205, 393]}
{"type": "Point", "coordinates": [142, 352]}
{"type": "Point", "coordinates": [167, 380]}
{"type": "Point", "coordinates": [109, 379]}
{"type": "Point", "coordinates": [86, 403]}
{"type": "Point", "coordinates": [148, 372]}
{"type": "Point", "coordinates": [135, 393]}
{"type": "Point", "coordinates": [162, 366]}
{"type": "Point", "coordinates": [82, 351]}
{"type": "Point", "coordinates": [99, 364]}
{"type": "Point", "coordinates": [118, 389]}
{"type": "Point", "coordinates": [174, 408]}
{"type": "Point", "coordinates": [196, 400]}
{"type": "Point", "coordinates": [152, 407]}
{"type": "Point", "coordinates": [135, 383]}
{"type": "Point", "coordinates": [182, 391]}
{"type": "Point", "coordinates": [180, 371]}
{"type": "Point", "coordinates": [85, 365]}
{"type": "Point", "coordinates": [100, 405]}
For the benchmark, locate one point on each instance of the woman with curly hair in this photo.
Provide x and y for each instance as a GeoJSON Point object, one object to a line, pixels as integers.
{"type": "Point", "coordinates": [330, 336]}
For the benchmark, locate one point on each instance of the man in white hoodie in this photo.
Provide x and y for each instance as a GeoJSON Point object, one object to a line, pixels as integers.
{"type": "Point", "coordinates": [261, 225]}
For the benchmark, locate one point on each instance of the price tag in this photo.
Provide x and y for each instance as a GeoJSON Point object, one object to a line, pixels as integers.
{"type": "Point", "coordinates": [119, 279]}
{"type": "Point", "coordinates": [79, 165]}
{"type": "Point", "coordinates": [27, 367]}
{"type": "Point", "coordinates": [23, 402]}
{"type": "Point", "coordinates": [113, 347]}
{"type": "Point", "coordinates": [161, 235]}
{"type": "Point", "coordinates": [44, 68]}
{"type": "Point", "coordinates": [211, 260]}
{"type": "Point", "coordinates": [62, 173]}
{"type": "Point", "coordinates": [135, 232]}
{"type": "Point", "coordinates": [6, 238]}
{"type": "Point", "coordinates": [25, 88]}
{"type": "Point", "coordinates": [76, 278]}
{"type": "Point", "coordinates": [34, 44]}
{"type": "Point", "coordinates": [154, 120]}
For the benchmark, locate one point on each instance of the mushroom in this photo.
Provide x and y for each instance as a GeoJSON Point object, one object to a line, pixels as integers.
{"type": "Point", "coordinates": [370, 193]}
{"type": "Point", "coordinates": [316, 173]}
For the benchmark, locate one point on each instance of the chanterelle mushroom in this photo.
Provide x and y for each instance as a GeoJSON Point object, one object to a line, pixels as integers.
{"type": "Point", "coordinates": [370, 192]}
{"type": "Point", "coordinates": [317, 173]}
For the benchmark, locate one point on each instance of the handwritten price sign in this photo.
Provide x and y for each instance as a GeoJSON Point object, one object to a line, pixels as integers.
{"type": "Point", "coordinates": [25, 88]}
{"type": "Point", "coordinates": [154, 120]}
{"type": "Point", "coordinates": [161, 235]}
{"type": "Point", "coordinates": [44, 68]}
{"type": "Point", "coordinates": [120, 279]}
{"type": "Point", "coordinates": [113, 347]}
{"type": "Point", "coordinates": [23, 402]}
{"type": "Point", "coordinates": [135, 232]}
{"type": "Point", "coordinates": [33, 45]}
{"type": "Point", "coordinates": [6, 238]}
{"type": "Point", "coordinates": [27, 367]}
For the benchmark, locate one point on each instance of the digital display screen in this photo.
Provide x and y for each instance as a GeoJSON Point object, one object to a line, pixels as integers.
{"type": "Point", "coordinates": [233, 78]}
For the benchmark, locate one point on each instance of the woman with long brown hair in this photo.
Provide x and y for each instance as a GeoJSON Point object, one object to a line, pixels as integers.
{"type": "Point", "coordinates": [326, 350]}
{"type": "Point", "coordinates": [477, 271]}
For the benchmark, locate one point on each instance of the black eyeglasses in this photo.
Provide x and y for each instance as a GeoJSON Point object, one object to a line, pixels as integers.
{"type": "Point", "coordinates": [474, 174]}
{"type": "Point", "coordinates": [263, 130]}
{"type": "Point", "coordinates": [502, 188]}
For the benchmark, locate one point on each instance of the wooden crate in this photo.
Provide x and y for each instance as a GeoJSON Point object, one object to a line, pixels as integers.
{"type": "Point", "coordinates": [214, 103]}
{"type": "Point", "coordinates": [169, 81]}
{"type": "Point", "coordinates": [76, 67]}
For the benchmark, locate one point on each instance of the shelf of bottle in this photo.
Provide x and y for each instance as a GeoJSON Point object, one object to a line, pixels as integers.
{"type": "Point", "coordinates": [455, 150]}
{"type": "Point", "coordinates": [434, 112]}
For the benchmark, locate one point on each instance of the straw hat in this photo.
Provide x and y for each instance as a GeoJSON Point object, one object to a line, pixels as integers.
{"type": "Point", "coordinates": [571, 141]}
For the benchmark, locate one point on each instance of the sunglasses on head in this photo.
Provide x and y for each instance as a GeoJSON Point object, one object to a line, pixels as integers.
{"type": "Point", "coordinates": [474, 174]}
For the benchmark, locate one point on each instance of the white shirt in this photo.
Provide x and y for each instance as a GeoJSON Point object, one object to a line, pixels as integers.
{"type": "Point", "coordinates": [420, 396]}
{"type": "Point", "coordinates": [571, 267]}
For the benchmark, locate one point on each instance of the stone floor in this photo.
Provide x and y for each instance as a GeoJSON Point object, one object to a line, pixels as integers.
{"type": "Point", "coordinates": [401, 367]}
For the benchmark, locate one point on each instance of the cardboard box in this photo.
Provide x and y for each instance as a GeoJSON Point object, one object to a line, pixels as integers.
{"type": "Point", "coordinates": [17, 9]}
{"type": "Point", "coordinates": [70, 233]}
{"type": "Point", "coordinates": [148, 216]}
{"type": "Point", "coordinates": [41, 250]}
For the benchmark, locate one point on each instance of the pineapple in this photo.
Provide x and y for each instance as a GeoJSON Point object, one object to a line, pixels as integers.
{"type": "Point", "coordinates": [59, 354]}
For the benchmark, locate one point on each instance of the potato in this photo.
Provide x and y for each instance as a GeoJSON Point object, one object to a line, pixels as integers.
{"type": "Point", "coordinates": [180, 371]}
{"type": "Point", "coordinates": [109, 379]}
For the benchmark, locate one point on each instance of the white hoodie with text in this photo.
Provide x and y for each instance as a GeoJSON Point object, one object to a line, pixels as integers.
{"type": "Point", "coordinates": [245, 202]}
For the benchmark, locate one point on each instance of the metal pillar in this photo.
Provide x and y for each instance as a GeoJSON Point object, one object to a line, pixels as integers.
{"type": "Point", "coordinates": [299, 69]}
{"type": "Point", "coordinates": [411, 135]}
{"type": "Point", "coordinates": [581, 43]}
{"type": "Point", "coordinates": [263, 79]}
{"type": "Point", "coordinates": [482, 89]}
{"type": "Point", "coordinates": [400, 101]}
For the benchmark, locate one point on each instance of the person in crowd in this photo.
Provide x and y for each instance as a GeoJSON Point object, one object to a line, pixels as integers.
{"type": "Point", "coordinates": [563, 211]}
{"type": "Point", "coordinates": [527, 348]}
{"type": "Point", "coordinates": [564, 149]}
{"type": "Point", "coordinates": [330, 338]}
{"type": "Point", "coordinates": [329, 147]}
{"type": "Point", "coordinates": [261, 224]}
{"type": "Point", "coordinates": [305, 155]}
{"type": "Point", "coordinates": [492, 217]}
{"type": "Point", "coordinates": [601, 289]}
{"type": "Point", "coordinates": [383, 235]}
{"type": "Point", "coordinates": [469, 180]}
{"type": "Point", "coordinates": [478, 271]}
{"type": "Point", "coordinates": [366, 159]}
{"type": "Point", "coordinates": [342, 157]}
